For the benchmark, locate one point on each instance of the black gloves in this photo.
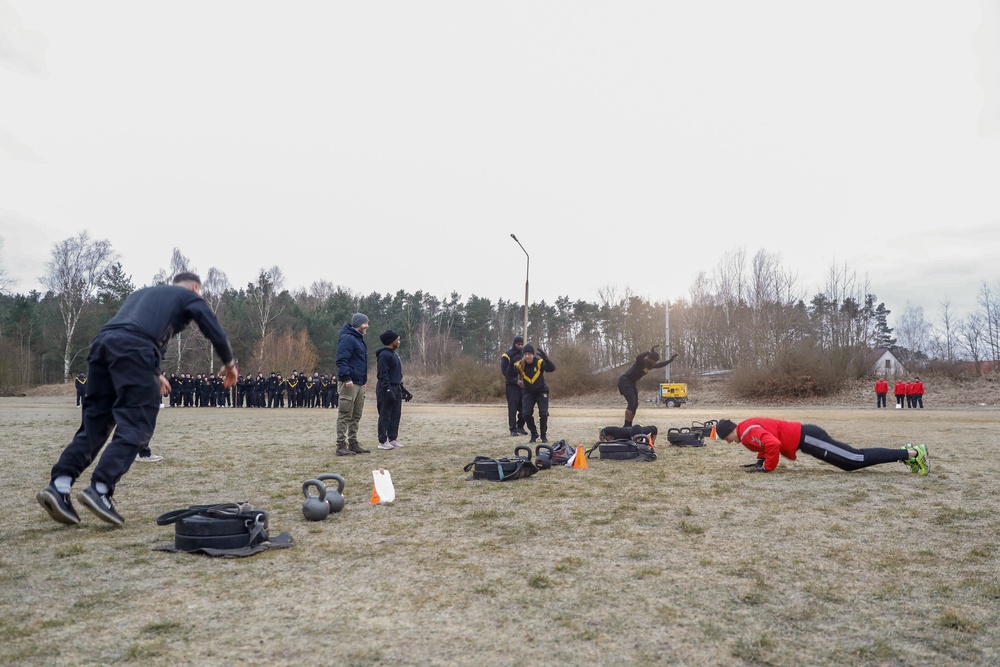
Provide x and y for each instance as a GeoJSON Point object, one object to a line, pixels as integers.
{"type": "Point", "coordinates": [407, 396]}
{"type": "Point", "coordinates": [756, 466]}
{"type": "Point", "coordinates": [758, 469]}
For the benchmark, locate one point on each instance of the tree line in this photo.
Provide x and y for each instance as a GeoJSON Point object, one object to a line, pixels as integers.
{"type": "Point", "coordinates": [747, 313]}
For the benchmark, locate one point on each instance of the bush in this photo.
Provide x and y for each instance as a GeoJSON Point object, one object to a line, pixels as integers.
{"type": "Point", "coordinates": [805, 374]}
{"type": "Point", "coordinates": [467, 381]}
{"type": "Point", "coordinates": [574, 374]}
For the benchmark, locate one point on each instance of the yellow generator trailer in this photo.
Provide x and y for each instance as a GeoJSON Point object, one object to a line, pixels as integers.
{"type": "Point", "coordinates": [672, 394]}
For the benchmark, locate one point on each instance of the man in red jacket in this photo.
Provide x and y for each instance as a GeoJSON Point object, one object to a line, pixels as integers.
{"type": "Point", "coordinates": [881, 389]}
{"type": "Point", "coordinates": [918, 394]}
{"type": "Point", "coordinates": [899, 391]}
{"type": "Point", "coordinates": [772, 438]}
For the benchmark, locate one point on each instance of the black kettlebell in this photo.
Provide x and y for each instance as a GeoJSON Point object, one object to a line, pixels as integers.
{"type": "Point", "coordinates": [334, 497]}
{"type": "Point", "coordinates": [315, 508]}
{"type": "Point", "coordinates": [543, 457]}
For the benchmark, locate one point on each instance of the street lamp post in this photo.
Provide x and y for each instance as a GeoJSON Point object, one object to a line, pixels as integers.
{"type": "Point", "coordinates": [527, 266]}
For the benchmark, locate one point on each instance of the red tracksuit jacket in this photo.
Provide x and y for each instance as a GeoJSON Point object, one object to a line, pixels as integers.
{"type": "Point", "coordinates": [770, 438]}
{"type": "Point", "coordinates": [881, 387]}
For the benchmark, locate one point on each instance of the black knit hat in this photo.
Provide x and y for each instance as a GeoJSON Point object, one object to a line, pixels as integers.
{"type": "Point", "coordinates": [724, 428]}
{"type": "Point", "coordinates": [528, 349]}
{"type": "Point", "coordinates": [388, 337]}
{"type": "Point", "coordinates": [518, 339]}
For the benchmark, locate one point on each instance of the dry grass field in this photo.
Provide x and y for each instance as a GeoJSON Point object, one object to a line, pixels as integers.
{"type": "Point", "coordinates": [681, 561]}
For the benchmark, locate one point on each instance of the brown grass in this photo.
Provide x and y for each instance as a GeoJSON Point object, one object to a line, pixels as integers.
{"type": "Point", "coordinates": [685, 560]}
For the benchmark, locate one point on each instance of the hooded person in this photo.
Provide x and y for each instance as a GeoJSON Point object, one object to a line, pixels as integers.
{"type": "Point", "coordinates": [515, 420]}
{"type": "Point", "coordinates": [627, 386]}
{"type": "Point", "coordinates": [352, 376]}
{"type": "Point", "coordinates": [774, 438]}
{"type": "Point", "coordinates": [389, 391]}
{"type": "Point", "coordinates": [529, 374]}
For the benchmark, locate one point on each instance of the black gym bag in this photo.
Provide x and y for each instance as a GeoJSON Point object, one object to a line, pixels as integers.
{"type": "Point", "coordinates": [505, 469]}
{"type": "Point", "coordinates": [685, 437]}
{"type": "Point", "coordinates": [636, 448]}
{"type": "Point", "coordinates": [226, 529]}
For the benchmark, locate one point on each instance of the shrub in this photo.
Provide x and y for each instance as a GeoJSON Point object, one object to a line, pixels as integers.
{"type": "Point", "coordinates": [574, 374]}
{"type": "Point", "coordinates": [804, 374]}
{"type": "Point", "coordinates": [467, 381]}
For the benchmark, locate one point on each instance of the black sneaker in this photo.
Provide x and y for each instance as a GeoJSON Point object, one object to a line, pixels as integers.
{"type": "Point", "coordinates": [544, 439]}
{"type": "Point", "coordinates": [533, 440]}
{"type": "Point", "coordinates": [58, 505]}
{"type": "Point", "coordinates": [100, 504]}
{"type": "Point", "coordinates": [514, 434]}
{"type": "Point", "coordinates": [521, 431]}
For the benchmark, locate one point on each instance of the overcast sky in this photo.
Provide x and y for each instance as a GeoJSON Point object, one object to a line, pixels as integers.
{"type": "Point", "coordinates": [397, 145]}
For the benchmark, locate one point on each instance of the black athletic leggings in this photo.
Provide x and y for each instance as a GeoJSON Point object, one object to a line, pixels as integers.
{"type": "Point", "coordinates": [817, 442]}
{"type": "Point", "coordinates": [630, 391]}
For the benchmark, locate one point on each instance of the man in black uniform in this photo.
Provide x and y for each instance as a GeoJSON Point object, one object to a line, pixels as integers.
{"type": "Point", "coordinates": [644, 363]}
{"type": "Point", "coordinates": [529, 373]}
{"type": "Point", "coordinates": [515, 420]}
{"type": "Point", "coordinates": [81, 388]}
{"type": "Point", "coordinates": [124, 391]}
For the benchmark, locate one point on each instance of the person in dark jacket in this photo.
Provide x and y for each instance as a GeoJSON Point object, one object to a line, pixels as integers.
{"type": "Point", "coordinates": [774, 438]}
{"type": "Point", "coordinates": [124, 390]}
{"type": "Point", "coordinates": [389, 391]}
{"type": "Point", "coordinates": [529, 373]}
{"type": "Point", "coordinates": [515, 420]}
{"type": "Point", "coordinates": [627, 386]}
{"type": "Point", "coordinates": [81, 388]}
{"type": "Point", "coordinates": [352, 376]}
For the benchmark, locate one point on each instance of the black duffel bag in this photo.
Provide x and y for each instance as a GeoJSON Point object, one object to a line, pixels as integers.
{"type": "Point", "coordinates": [636, 448]}
{"type": "Point", "coordinates": [225, 529]}
{"type": "Point", "coordinates": [685, 437]}
{"type": "Point", "coordinates": [505, 469]}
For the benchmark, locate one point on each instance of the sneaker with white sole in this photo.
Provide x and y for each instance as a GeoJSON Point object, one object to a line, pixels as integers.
{"type": "Point", "coordinates": [58, 505]}
{"type": "Point", "coordinates": [101, 505]}
{"type": "Point", "coordinates": [396, 444]}
{"type": "Point", "coordinates": [385, 445]}
{"type": "Point", "coordinates": [152, 458]}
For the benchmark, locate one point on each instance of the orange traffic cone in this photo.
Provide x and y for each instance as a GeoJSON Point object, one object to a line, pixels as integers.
{"type": "Point", "coordinates": [712, 435]}
{"type": "Point", "coordinates": [580, 459]}
{"type": "Point", "coordinates": [375, 498]}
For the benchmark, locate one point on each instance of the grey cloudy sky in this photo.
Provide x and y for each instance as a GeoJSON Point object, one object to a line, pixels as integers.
{"type": "Point", "coordinates": [397, 145]}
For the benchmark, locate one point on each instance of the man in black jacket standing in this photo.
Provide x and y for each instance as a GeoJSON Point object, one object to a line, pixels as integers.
{"type": "Point", "coordinates": [644, 363]}
{"type": "Point", "coordinates": [529, 373]}
{"type": "Point", "coordinates": [124, 392]}
{"type": "Point", "coordinates": [515, 420]}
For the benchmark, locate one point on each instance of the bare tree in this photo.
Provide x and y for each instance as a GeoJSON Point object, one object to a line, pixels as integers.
{"type": "Point", "coordinates": [972, 338]}
{"type": "Point", "coordinates": [214, 288]}
{"type": "Point", "coordinates": [263, 298]}
{"type": "Point", "coordinates": [913, 331]}
{"type": "Point", "coordinates": [990, 303]}
{"type": "Point", "coordinates": [74, 273]}
{"type": "Point", "coordinates": [179, 263]}
{"type": "Point", "coordinates": [946, 339]}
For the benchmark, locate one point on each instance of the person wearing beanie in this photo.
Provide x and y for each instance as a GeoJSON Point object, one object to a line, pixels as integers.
{"type": "Point", "coordinates": [627, 387]}
{"type": "Point", "coordinates": [773, 438]}
{"type": "Point", "coordinates": [352, 376]}
{"type": "Point", "coordinates": [389, 391]}
{"type": "Point", "coordinates": [529, 374]}
{"type": "Point", "coordinates": [515, 420]}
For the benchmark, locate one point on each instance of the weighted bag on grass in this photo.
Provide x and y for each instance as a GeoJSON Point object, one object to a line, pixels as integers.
{"type": "Point", "coordinates": [685, 437]}
{"type": "Point", "coordinates": [505, 469]}
{"type": "Point", "coordinates": [638, 448]}
{"type": "Point", "coordinates": [226, 526]}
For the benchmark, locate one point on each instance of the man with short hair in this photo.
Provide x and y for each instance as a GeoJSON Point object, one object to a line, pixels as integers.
{"type": "Point", "coordinates": [352, 376]}
{"type": "Point", "coordinates": [389, 391]}
{"type": "Point", "coordinates": [644, 362]}
{"type": "Point", "coordinates": [124, 391]}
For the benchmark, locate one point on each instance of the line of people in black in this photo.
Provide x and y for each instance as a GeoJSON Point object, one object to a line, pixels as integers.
{"type": "Point", "coordinates": [298, 390]}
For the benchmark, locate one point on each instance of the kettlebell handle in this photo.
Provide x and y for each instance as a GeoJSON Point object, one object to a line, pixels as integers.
{"type": "Point", "coordinates": [320, 487]}
{"type": "Point", "coordinates": [333, 475]}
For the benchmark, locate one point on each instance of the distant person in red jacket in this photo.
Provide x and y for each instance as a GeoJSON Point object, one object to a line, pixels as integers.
{"type": "Point", "coordinates": [909, 394]}
{"type": "Point", "coordinates": [918, 394]}
{"type": "Point", "coordinates": [773, 438]}
{"type": "Point", "coordinates": [899, 391]}
{"type": "Point", "coordinates": [881, 389]}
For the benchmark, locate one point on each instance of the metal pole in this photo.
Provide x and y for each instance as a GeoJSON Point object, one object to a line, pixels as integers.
{"type": "Point", "coordinates": [666, 350]}
{"type": "Point", "coordinates": [527, 268]}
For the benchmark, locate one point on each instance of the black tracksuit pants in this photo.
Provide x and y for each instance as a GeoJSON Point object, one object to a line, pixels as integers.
{"type": "Point", "coordinates": [515, 418]}
{"type": "Point", "coordinates": [123, 394]}
{"type": "Point", "coordinates": [817, 442]}
{"type": "Point", "coordinates": [390, 410]}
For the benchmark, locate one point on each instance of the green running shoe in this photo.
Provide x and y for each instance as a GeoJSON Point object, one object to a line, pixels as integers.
{"type": "Point", "coordinates": [912, 463]}
{"type": "Point", "coordinates": [923, 467]}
